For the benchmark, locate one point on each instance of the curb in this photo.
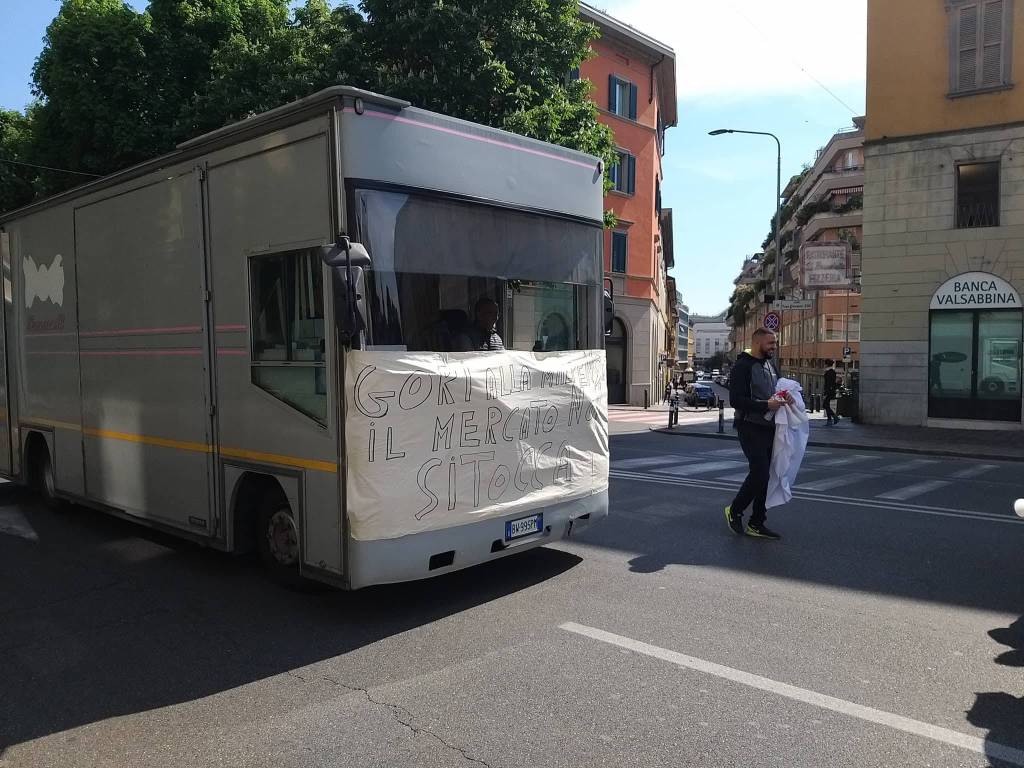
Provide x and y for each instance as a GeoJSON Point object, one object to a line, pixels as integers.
{"type": "Point", "coordinates": [859, 447]}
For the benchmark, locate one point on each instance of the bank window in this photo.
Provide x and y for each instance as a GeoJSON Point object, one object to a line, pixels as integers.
{"type": "Point", "coordinates": [977, 195]}
{"type": "Point", "coordinates": [980, 42]}
{"type": "Point", "coordinates": [288, 343]}
{"type": "Point", "coordinates": [621, 97]}
{"type": "Point", "coordinates": [624, 174]}
{"type": "Point", "coordinates": [620, 248]}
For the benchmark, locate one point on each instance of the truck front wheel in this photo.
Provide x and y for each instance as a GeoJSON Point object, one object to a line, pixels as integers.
{"type": "Point", "coordinates": [277, 538]}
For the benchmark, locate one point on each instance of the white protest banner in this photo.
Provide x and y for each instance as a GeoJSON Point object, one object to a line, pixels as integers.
{"type": "Point", "coordinates": [439, 440]}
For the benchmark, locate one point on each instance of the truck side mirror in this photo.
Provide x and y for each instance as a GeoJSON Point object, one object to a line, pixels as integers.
{"type": "Point", "coordinates": [347, 261]}
{"type": "Point", "coordinates": [349, 304]}
{"type": "Point", "coordinates": [338, 255]}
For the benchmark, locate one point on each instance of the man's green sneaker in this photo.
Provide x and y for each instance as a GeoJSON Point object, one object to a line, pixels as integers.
{"type": "Point", "coordinates": [762, 532]}
{"type": "Point", "coordinates": [735, 522]}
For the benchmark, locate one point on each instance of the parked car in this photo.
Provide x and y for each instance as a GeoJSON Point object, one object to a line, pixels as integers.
{"type": "Point", "coordinates": [700, 394]}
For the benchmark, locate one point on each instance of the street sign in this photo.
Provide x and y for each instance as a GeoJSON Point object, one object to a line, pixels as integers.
{"type": "Point", "coordinates": [825, 265]}
{"type": "Point", "coordinates": [847, 351]}
{"type": "Point", "coordinates": [798, 304]}
{"type": "Point", "coordinates": [772, 321]}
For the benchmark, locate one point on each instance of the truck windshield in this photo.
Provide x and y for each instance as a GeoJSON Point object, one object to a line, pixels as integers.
{"type": "Point", "coordinates": [450, 276]}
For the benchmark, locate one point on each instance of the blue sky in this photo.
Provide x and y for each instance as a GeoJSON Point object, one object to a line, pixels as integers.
{"type": "Point", "coordinates": [739, 65]}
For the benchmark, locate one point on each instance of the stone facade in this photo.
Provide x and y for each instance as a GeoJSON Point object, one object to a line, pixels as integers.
{"type": "Point", "coordinates": [912, 246]}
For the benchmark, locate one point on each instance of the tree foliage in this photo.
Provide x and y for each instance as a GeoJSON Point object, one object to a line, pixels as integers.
{"type": "Point", "coordinates": [116, 86]}
{"type": "Point", "coordinates": [16, 181]}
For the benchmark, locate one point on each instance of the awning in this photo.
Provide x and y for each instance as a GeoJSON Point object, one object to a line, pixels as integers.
{"type": "Point", "coordinates": [848, 190]}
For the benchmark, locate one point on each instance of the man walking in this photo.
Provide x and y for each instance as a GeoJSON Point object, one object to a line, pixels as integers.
{"type": "Point", "coordinates": [751, 394]}
{"type": "Point", "coordinates": [831, 389]}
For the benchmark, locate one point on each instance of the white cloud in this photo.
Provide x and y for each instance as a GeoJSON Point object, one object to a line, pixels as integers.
{"type": "Point", "coordinates": [728, 49]}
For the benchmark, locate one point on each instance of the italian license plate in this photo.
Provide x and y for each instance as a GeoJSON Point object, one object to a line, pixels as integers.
{"type": "Point", "coordinates": [524, 526]}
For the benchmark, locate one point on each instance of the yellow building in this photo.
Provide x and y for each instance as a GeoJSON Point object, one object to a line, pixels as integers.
{"type": "Point", "coordinates": [943, 248]}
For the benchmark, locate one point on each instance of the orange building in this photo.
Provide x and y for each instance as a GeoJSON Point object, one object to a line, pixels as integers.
{"type": "Point", "coordinates": [634, 80]}
{"type": "Point", "coordinates": [822, 204]}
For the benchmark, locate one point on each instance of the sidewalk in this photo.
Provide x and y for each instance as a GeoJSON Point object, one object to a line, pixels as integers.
{"type": "Point", "coordinates": [966, 443]}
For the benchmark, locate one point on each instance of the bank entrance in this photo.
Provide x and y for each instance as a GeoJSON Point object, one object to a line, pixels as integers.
{"type": "Point", "coordinates": [975, 338]}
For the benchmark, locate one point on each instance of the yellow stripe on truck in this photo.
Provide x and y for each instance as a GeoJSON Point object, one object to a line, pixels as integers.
{"type": "Point", "coordinates": [146, 440]}
{"type": "Point", "coordinates": [273, 458]}
{"type": "Point", "coordinates": [181, 445]}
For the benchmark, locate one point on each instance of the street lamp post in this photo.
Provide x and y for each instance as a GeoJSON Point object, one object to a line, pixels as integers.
{"type": "Point", "coordinates": [778, 203]}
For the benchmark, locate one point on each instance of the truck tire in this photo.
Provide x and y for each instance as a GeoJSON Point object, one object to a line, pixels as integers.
{"type": "Point", "coordinates": [43, 481]}
{"type": "Point", "coordinates": [277, 539]}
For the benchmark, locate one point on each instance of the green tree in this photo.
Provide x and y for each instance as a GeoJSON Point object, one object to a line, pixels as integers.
{"type": "Point", "coordinates": [92, 78]}
{"type": "Point", "coordinates": [503, 63]}
{"type": "Point", "coordinates": [116, 86]}
{"type": "Point", "coordinates": [17, 182]}
{"type": "Point", "coordinates": [318, 48]}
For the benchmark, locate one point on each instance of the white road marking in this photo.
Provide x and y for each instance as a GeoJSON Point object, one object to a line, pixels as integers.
{"type": "Point", "coordinates": [917, 489]}
{"type": "Point", "coordinates": [833, 481]}
{"type": "Point", "coordinates": [975, 471]}
{"type": "Point", "coordinates": [823, 701]}
{"type": "Point", "coordinates": [910, 466]}
{"type": "Point", "coordinates": [725, 452]}
{"type": "Point", "coordinates": [699, 468]}
{"type": "Point", "coordinates": [13, 523]}
{"type": "Point", "coordinates": [647, 462]}
{"type": "Point", "coordinates": [842, 461]}
{"type": "Point", "coordinates": [894, 506]}
{"type": "Point", "coordinates": [738, 477]}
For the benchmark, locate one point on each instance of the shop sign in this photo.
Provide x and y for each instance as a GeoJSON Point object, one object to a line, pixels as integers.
{"type": "Point", "coordinates": [976, 290]}
{"type": "Point", "coordinates": [825, 266]}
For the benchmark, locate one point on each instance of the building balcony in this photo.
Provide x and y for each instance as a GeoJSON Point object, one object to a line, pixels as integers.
{"type": "Point", "coordinates": [843, 140]}
{"type": "Point", "coordinates": [831, 220]}
{"type": "Point", "coordinates": [836, 180]}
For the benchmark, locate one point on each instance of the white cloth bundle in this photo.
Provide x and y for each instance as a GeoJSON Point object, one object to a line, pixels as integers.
{"type": "Point", "coordinates": [792, 430]}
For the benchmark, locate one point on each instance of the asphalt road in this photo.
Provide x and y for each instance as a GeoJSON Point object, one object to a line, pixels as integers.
{"type": "Point", "coordinates": [884, 630]}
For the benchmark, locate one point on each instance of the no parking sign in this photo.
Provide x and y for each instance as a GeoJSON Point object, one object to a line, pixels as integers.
{"type": "Point", "coordinates": [772, 321]}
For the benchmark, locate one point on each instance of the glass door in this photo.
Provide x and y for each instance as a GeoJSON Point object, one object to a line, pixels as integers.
{"type": "Point", "coordinates": [974, 367]}
{"type": "Point", "coordinates": [998, 370]}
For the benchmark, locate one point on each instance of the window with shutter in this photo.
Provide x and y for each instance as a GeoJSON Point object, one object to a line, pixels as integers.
{"type": "Point", "coordinates": [619, 251]}
{"type": "Point", "coordinates": [621, 97]}
{"type": "Point", "coordinates": [992, 44]}
{"type": "Point", "coordinates": [980, 43]}
{"type": "Point", "coordinates": [968, 48]}
{"type": "Point", "coordinates": [624, 174]}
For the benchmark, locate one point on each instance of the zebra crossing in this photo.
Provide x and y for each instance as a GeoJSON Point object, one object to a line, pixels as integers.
{"type": "Point", "coordinates": [883, 477]}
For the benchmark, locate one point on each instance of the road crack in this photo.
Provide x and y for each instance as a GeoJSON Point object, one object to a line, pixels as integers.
{"type": "Point", "coordinates": [405, 718]}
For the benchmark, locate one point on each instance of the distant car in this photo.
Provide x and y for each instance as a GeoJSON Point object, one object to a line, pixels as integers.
{"type": "Point", "coordinates": [700, 394]}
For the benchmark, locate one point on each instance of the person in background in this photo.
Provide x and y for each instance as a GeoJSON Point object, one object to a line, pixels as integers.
{"type": "Point", "coordinates": [482, 335]}
{"type": "Point", "coordinates": [831, 390]}
{"type": "Point", "coordinates": [751, 394]}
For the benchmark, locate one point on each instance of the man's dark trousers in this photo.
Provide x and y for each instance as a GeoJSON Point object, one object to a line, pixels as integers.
{"type": "Point", "coordinates": [757, 443]}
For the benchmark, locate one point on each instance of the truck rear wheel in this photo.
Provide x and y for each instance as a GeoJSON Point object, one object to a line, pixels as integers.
{"type": "Point", "coordinates": [42, 479]}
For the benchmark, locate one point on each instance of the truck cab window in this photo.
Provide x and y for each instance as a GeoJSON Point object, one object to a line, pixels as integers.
{"type": "Point", "coordinates": [534, 269]}
{"type": "Point", "coordinates": [288, 342]}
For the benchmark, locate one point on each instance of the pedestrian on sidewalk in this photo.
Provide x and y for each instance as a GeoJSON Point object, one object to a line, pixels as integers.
{"type": "Point", "coordinates": [831, 391]}
{"type": "Point", "coordinates": [752, 390]}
